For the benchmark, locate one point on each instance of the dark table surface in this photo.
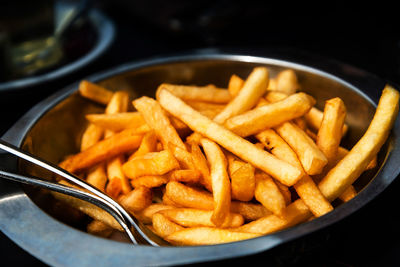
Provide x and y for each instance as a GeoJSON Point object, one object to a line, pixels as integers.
{"type": "Point", "coordinates": [368, 39]}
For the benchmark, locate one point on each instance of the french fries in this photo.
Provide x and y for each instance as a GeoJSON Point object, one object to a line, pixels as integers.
{"type": "Point", "coordinates": [202, 165]}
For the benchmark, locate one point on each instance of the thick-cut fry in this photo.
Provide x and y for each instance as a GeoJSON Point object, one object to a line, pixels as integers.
{"type": "Point", "coordinates": [243, 182]}
{"type": "Point", "coordinates": [114, 172]}
{"type": "Point", "coordinates": [119, 102]}
{"type": "Point", "coordinates": [268, 116]}
{"type": "Point", "coordinates": [146, 215]}
{"type": "Point", "coordinates": [310, 156]}
{"type": "Point", "coordinates": [152, 163]}
{"type": "Point", "coordinates": [91, 136]}
{"type": "Point", "coordinates": [219, 180]}
{"type": "Point", "coordinates": [115, 145]}
{"type": "Point", "coordinates": [201, 165]}
{"type": "Point", "coordinates": [314, 118]}
{"type": "Point", "coordinates": [268, 194]}
{"type": "Point", "coordinates": [199, 93]}
{"type": "Point", "coordinates": [249, 211]}
{"type": "Point", "coordinates": [185, 176]}
{"type": "Point", "coordinates": [348, 194]}
{"type": "Point", "coordinates": [95, 92]}
{"type": "Point", "coordinates": [253, 88]}
{"type": "Point", "coordinates": [284, 172]}
{"type": "Point", "coordinates": [189, 217]}
{"type": "Point", "coordinates": [156, 118]}
{"type": "Point", "coordinates": [184, 157]}
{"type": "Point", "coordinates": [235, 84]}
{"type": "Point", "coordinates": [354, 163]}
{"type": "Point", "coordinates": [163, 226]}
{"type": "Point", "coordinates": [305, 187]}
{"type": "Point", "coordinates": [148, 144]}
{"type": "Point", "coordinates": [275, 96]}
{"type": "Point", "coordinates": [208, 109]}
{"type": "Point", "coordinates": [206, 236]}
{"type": "Point", "coordinates": [150, 181]}
{"type": "Point", "coordinates": [117, 121]}
{"type": "Point", "coordinates": [330, 131]}
{"type": "Point", "coordinates": [286, 81]}
{"type": "Point", "coordinates": [295, 213]}
{"type": "Point", "coordinates": [97, 177]}
{"type": "Point", "coordinates": [137, 200]}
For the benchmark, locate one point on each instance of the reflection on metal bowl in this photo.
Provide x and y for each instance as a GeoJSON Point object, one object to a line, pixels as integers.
{"type": "Point", "coordinates": [52, 130]}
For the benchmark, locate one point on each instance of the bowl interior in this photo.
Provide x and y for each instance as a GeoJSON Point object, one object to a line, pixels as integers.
{"type": "Point", "coordinates": [57, 133]}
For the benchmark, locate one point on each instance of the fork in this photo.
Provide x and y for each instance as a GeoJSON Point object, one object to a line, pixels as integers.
{"type": "Point", "coordinates": [135, 230]}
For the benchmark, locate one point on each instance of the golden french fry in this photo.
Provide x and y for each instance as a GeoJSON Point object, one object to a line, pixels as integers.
{"type": "Point", "coordinates": [150, 181]}
{"type": "Point", "coordinates": [119, 102]}
{"type": "Point", "coordinates": [249, 211]}
{"type": "Point", "coordinates": [189, 217]}
{"type": "Point", "coordinates": [243, 182]}
{"type": "Point", "coordinates": [219, 180]}
{"type": "Point", "coordinates": [275, 96]}
{"type": "Point", "coordinates": [314, 118]}
{"type": "Point", "coordinates": [148, 144]}
{"type": "Point", "coordinates": [114, 172]}
{"type": "Point", "coordinates": [115, 145]}
{"type": "Point", "coordinates": [197, 93]}
{"type": "Point", "coordinates": [305, 187]}
{"type": "Point", "coordinates": [253, 88]}
{"type": "Point", "coordinates": [146, 215]}
{"type": "Point", "coordinates": [95, 92]}
{"type": "Point", "coordinates": [310, 156]}
{"type": "Point", "coordinates": [295, 213]}
{"type": "Point", "coordinates": [340, 177]}
{"type": "Point", "coordinates": [208, 109]}
{"type": "Point", "coordinates": [348, 194]}
{"type": "Point", "coordinates": [152, 163]}
{"type": "Point", "coordinates": [184, 157]}
{"type": "Point", "coordinates": [201, 165]}
{"type": "Point", "coordinates": [137, 200]}
{"type": "Point", "coordinates": [268, 116]}
{"type": "Point", "coordinates": [287, 195]}
{"type": "Point", "coordinates": [91, 136]}
{"type": "Point", "coordinates": [268, 194]}
{"type": "Point", "coordinates": [97, 177]}
{"type": "Point", "coordinates": [118, 121]}
{"type": "Point", "coordinates": [99, 228]}
{"type": "Point", "coordinates": [185, 176]}
{"type": "Point", "coordinates": [206, 236]}
{"type": "Point", "coordinates": [163, 226]}
{"type": "Point", "coordinates": [284, 172]}
{"type": "Point", "coordinates": [286, 81]}
{"type": "Point", "coordinates": [235, 85]}
{"type": "Point", "coordinates": [330, 132]}
{"type": "Point", "coordinates": [156, 118]}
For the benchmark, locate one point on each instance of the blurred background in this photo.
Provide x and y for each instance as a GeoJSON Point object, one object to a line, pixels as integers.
{"type": "Point", "coordinates": [48, 44]}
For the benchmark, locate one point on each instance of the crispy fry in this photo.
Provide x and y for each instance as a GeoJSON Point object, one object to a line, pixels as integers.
{"type": "Point", "coordinates": [275, 96]}
{"type": "Point", "coordinates": [199, 93]}
{"type": "Point", "coordinates": [235, 85]}
{"type": "Point", "coordinates": [268, 194]}
{"type": "Point", "coordinates": [209, 110]}
{"type": "Point", "coordinates": [201, 165]}
{"type": "Point", "coordinates": [219, 180]}
{"type": "Point", "coordinates": [114, 172]}
{"type": "Point", "coordinates": [189, 217]}
{"type": "Point", "coordinates": [115, 145]}
{"type": "Point", "coordinates": [295, 213]}
{"type": "Point", "coordinates": [206, 236]}
{"type": "Point", "coordinates": [348, 194]}
{"type": "Point", "coordinates": [310, 156]}
{"type": "Point", "coordinates": [286, 81]}
{"type": "Point", "coordinates": [249, 211]}
{"type": "Point", "coordinates": [146, 215]}
{"type": "Point", "coordinates": [148, 144]}
{"type": "Point", "coordinates": [185, 176]}
{"type": "Point", "coordinates": [95, 92]}
{"type": "Point", "coordinates": [330, 131]}
{"type": "Point", "coordinates": [117, 121]}
{"type": "Point", "coordinates": [137, 200]}
{"type": "Point", "coordinates": [91, 136]}
{"type": "Point", "coordinates": [284, 172]}
{"type": "Point", "coordinates": [150, 181]}
{"type": "Point", "coordinates": [184, 157]}
{"type": "Point", "coordinates": [155, 117]}
{"type": "Point", "coordinates": [163, 226]}
{"type": "Point", "coordinates": [268, 116]}
{"type": "Point", "coordinates": [354, 163]}
{"type": "Point", "coordinates": [97, 177]}
{"type": "Point", "coordinates": [305, 187]}
{"type": "Point", "coordinates": [314, 118]}
{"type": "Point", "coordinates": [242, 181]}
{"type": "Point", "coordinates": [253, 88]}
{"type": "Point", "coordinates": [152, 163]}
{"type": "Point", "coordinates": [119, 102]}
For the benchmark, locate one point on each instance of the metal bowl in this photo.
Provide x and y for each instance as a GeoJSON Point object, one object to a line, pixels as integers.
{"type": "Point", "coordinates": [52, 130]}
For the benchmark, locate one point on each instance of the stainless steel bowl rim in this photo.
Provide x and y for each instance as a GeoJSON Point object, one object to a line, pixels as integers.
{"type": "Point", "coordinates": [58, 244]}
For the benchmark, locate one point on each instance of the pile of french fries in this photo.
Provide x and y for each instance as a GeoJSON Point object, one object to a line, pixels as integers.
{"type": "Point", "coordinates": [204, 165]}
